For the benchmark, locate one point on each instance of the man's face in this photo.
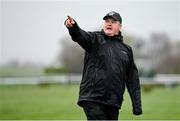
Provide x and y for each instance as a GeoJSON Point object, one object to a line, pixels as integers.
{"type": "Point", "coordinates": [111, 27]}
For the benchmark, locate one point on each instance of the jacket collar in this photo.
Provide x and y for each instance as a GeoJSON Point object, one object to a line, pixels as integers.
{"type": "Point", "coordinates": [119, 36]}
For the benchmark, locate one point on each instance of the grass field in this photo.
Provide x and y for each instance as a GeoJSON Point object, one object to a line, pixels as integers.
{"type": "Point", "coordinates": [59, 102]}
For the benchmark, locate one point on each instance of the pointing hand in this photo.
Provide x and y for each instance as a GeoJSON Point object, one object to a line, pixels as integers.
{"type": "Point", "coordinates": [69, 22]}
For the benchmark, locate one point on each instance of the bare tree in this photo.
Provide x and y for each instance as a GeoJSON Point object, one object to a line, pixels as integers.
{"type": "Point", "coordinates": [71, 56]}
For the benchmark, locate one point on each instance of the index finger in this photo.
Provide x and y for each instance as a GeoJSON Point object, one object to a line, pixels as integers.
{"type": "Point", "coordinates": [70, 18]}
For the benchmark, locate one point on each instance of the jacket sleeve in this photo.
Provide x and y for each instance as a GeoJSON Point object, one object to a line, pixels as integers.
{"type": "Point", "coordinates": [83, 38]}
{"type": "Point", "coordinates": [133, 86]}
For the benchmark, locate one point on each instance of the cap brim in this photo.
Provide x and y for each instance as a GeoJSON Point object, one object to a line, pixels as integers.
{"type": "Point", "coordinates": [106, 17]}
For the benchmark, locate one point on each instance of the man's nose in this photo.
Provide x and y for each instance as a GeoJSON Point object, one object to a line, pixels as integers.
{"type": "Point", "coordinates": [109, 23]}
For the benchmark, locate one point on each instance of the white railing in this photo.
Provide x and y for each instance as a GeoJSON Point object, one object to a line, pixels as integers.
{"type": "Point", "coordinates": [165, 79]}
{"type": "Point", "coordinates": [70, 78]}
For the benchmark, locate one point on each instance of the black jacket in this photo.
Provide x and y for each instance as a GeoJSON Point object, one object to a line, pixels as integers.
{"type": "Point", "coordinates": [108, 67]}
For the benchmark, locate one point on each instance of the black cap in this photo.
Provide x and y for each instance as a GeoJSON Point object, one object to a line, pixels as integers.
{"type": "Point", "coordinates": [116, 16]}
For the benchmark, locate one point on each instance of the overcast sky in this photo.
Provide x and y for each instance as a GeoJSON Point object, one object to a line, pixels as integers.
{"type": "Point", "coordinates": [31, 29]}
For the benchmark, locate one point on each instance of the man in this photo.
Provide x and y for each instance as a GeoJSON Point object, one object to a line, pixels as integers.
{"type": "Point", "coordinates": [108, 67]}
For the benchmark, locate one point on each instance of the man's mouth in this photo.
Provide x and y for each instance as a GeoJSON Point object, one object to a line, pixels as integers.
{"type": "Point", "coordinates": [109, 28]}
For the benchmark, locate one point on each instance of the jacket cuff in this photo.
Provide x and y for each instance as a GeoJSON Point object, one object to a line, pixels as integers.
{"type": "Point", "coordinates": [137, 111]}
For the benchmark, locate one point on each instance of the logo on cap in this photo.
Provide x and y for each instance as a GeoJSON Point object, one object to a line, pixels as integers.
{"type": "Point", "coordinates": [111, 13]}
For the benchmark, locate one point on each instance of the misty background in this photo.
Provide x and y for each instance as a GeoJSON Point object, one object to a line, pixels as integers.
{"type": "Point", "coordinates": [33, 35]}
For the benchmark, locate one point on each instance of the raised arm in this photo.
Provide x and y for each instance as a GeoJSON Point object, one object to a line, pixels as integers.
{"type": "Point", "coordinates": [83, 38]}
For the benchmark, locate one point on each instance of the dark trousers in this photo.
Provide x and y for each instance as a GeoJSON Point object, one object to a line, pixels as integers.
{"type": "Point", "coordinates": [98, 111]}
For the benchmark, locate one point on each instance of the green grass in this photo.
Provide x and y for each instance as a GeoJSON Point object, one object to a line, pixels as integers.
{"type": "Point", "coordinates": [60, 102]}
